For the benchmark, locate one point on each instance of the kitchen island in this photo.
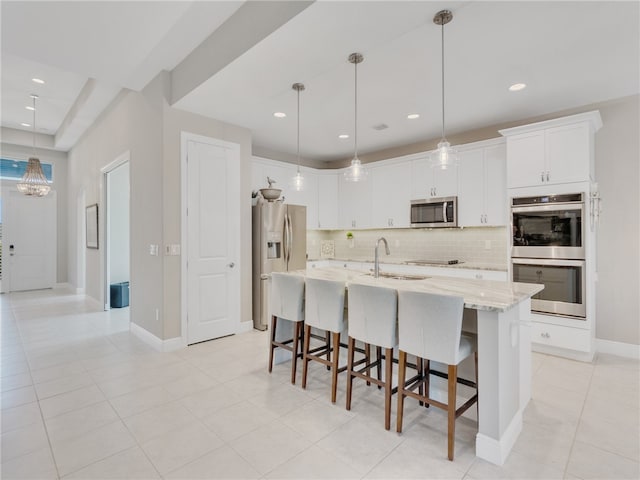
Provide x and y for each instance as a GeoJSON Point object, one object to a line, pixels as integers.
{"type": "Point", "coordinates": [503, 310]}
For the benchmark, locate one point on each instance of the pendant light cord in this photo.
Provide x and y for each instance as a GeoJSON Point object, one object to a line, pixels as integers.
{"type": "Point", "coordinates": [355, 109]}
{"type": "Point", "coordinates": [442, 55]}
{"type": "Point", "coordinates": [34, 123]}
{"type": "Point", "coordinates": [298, 147]}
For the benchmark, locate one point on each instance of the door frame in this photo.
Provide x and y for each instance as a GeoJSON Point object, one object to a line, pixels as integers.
{"type": "Point", "coordinates": [185, 138]}
{"type": "Point", "coordinates": [106, 257]}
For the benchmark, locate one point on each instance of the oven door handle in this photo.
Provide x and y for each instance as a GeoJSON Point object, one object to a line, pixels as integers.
{"type": "Point", "coordinates": [547, 208]}
{"type": "Point", "coordinates": [544, 261]}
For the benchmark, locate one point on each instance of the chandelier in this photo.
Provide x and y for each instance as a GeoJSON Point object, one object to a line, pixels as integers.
{"type": "Point", "coordinates": [33, 182]}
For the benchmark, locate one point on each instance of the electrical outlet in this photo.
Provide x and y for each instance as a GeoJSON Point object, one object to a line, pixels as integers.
{"type": "Point", "coordinates": [153, 250]}
{"type": "Point", "coordinates": [487, 244]}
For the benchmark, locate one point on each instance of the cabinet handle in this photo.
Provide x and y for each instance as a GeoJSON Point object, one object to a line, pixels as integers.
{"type": "Point", "coordinates": [542, 176]}
{"type": "Point", "coordinates": [545, 335]}
{"type": "Point", "coordinates": [547, 176]}
{"type": "Point", "coordinates": [353, 223]}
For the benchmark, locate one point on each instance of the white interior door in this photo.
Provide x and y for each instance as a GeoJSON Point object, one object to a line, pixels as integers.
{"type": "Point", "coordinates": [30, 240]}
{"type": "Point", "coordinates": [213, 232]}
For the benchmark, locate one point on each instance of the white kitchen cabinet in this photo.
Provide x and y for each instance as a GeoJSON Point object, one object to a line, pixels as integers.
{"type": "Point", "coordinates": [355, 203]}
{"type": "Point", "coordinates": [427, 182]}
{"type": "Point", "coordinates": [391, 196]}
{"type": "Point", "coordinates": [482, 189]}
{"type": "Point", "coordinates": [553, 152]}
{"type": "Point", "coordinates": [327, 200]}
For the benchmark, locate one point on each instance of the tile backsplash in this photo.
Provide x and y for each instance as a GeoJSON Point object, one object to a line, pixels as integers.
{"type": "Point", "coordinates": [485, 246]}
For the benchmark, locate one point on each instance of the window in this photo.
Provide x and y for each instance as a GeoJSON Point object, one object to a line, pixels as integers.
{"type": "Point", "coordinates": [14, 169]}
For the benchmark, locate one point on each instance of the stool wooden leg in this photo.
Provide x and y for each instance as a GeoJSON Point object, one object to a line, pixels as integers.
{"type": "Point", "coordinates": [451, 410]}
{"type": "Point", "coordinates": [379, 363]}
{"type": "Point", "coordinates": [334, 367]}
{"type": "Point", "coordinates": [388, 372]}
{"type": "Point", "coordinates": [294, 352]}
{"type": "Point", "coordinates": [420, 371]}
{"type": "Point", "coordinates": [402, 363]}
{"type": "Point", "coordinates": [305, 351]}
{"type": "Point", "coordinates": [328, 337]}
{"type": "Point", "coordinates": [350, 354]}
{"type": "Point", "coordinates": [427, 384]}
{"type": "Point", "coordinates": [274, 321]}
{"type": "Point", "coordinates": [367, 358]}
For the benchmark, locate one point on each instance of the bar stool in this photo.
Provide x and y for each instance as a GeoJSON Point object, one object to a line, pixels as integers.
{"type": "Point", "coordinates": [286, 302]}
{"type": "Point", "coordinates": [430, 327]}
{"type": "Point", "coordinates": [324, 310]}
{"type": "Point", "coordinates": [372, 320]}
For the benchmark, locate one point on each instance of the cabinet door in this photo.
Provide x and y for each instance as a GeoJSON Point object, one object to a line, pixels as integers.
{"type": "Point", "coordinates": [391, 195]}
{"type": "Point", "coordinates": [308, 196]}
{"type": "Point", "coordinates": [567, 153]}
{"type": "Point", "coordinates": [526, 164]}
{"type": "Point", "coordinates": [420, 179]}
{"type": "Point", "coordinates": [355, 203]}
{"type": "Point", "coordinates": [495, 186]}
{"type": "Point", "coordinates": [471, 189]}
{"type": "Point", "coordinates": [444, 182]}
{"type": "Point", "coordinates": [327, 200]}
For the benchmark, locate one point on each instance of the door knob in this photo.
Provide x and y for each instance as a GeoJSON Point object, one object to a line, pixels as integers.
{"type": "Point", "coordinates": [231, 265]}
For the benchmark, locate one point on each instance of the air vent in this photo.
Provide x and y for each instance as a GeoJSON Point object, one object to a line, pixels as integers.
{"type": "Point", "coordinates": [380, 126]}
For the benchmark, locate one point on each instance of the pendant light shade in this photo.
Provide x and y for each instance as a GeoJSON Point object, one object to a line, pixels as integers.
{"type": "Point", "coordinates": [356, 172]}
{"type": "Point", "coordinates": [445, 156]}
{"type": "Point", "coordinates": [297, 182]}
{"type": "Point", "coordinates": [33, 182]}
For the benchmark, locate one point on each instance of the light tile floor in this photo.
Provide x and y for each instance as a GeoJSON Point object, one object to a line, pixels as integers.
{"type": "Point", "coordinates": [83, 398]}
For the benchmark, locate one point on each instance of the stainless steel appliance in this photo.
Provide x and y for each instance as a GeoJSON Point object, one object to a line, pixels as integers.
{"type": "Point", "coordinates": [548, 248]}
{"type": "Point", "coordinates": [279, 245]}
{"type": "Point", "coordinates": [548, 226]}
{"type": "Point", "coordinates": [564, 285]}
{"type": "Point", "coordinates": [435, 212]}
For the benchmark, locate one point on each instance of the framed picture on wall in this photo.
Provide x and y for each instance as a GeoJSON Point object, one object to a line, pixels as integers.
{"type": "Point", "coordinates": [92, 226]}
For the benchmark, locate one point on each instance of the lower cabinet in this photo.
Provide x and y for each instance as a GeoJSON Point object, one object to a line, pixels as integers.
{"type": "Point", "coordinates": [560, 336]}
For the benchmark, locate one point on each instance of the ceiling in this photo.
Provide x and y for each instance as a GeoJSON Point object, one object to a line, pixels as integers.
{"type": "Point", "coordinates": [568, 53]}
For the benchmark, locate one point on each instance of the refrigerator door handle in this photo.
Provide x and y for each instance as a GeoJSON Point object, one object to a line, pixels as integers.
{"type": "Point", "coordinates": [286, 243]}
{"type": "Point", "coordinates": [291, 240]}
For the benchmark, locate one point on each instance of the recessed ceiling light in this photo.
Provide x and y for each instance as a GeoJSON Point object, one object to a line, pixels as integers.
{"type": "Point", "coordinates": [279, 114]}
{"type": "Point", "coordinates": [37, 80]}
{"type": "Point", "coordinates": [413, 116]}
{"type": "Point", "coordinates": [517, 87]}
{"type": "Point", "coordinates": [29, 107]}
{"type": "Point", "coordinates": [343, 136]}
{"type": "Point", "coordinates": [25, 124]}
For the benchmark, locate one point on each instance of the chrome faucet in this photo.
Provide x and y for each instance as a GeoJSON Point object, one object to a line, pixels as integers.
{"type": "Point", "coordinates": [376, 263]}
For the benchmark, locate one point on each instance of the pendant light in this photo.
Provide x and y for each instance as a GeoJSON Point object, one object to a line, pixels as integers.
{"type": "Point", "coordinates": [297, 182]}
{"type": "Point", "coordinates": [33, 182]}
{"type": "Point", "coordinates": [356, 172]}
{"type": "Point", "coordinates": [445, 156]}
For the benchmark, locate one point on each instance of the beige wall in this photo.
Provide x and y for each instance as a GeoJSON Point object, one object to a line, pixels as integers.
{"type": "Point", "coordinates": [59, 162]}
{"type": "Point", "coordinates": [177, 121]}
{"type": "Point", "coordinates": [146, 126]}
{"type": "Point", "coordinates": [618, 176]}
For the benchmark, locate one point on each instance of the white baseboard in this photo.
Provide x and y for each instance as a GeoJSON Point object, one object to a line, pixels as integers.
{"type": "Point", "coordinates": [64, 286]}
{"type": "Point", "coordinates": [497, 451]}
{"type": "Point", "coordinates": [628, 350]}
{"type": "Point", "coordinates": [80, 290]}
{"type": "Point", "coordinates": [245, 327]}
{"type": "Point", "coordinates": [586, 357]}
{"type": "Point", "coordinates": [149, 338]}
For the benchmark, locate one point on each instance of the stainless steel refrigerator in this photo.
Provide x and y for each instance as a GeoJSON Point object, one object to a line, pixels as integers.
{"type": "Point", "coordinates": [279, 245]}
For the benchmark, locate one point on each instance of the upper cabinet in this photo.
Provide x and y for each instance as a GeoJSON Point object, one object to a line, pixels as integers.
{"type": "Point", "coordinates": [427, 182]}
{"type": "Point", "coordinates": [553, 152]}
{"type": "Point", "coordinates": [355, 203]}
{"type": "Point", "coordinates": [327, 200]}
{"type": "Point", "coordinates": [482, 189]}
{"type": "Point", "coordinates": [390, 195]}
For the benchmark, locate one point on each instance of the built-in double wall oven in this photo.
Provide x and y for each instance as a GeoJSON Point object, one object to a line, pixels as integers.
{"type": "Point", "coordinates": [548, 248]}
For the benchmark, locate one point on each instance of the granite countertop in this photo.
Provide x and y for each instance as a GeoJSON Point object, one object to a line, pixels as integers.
{"type": "Point", "coordinates": [478, 294]}
{"type": "Point", "coordinates": [463, 264]}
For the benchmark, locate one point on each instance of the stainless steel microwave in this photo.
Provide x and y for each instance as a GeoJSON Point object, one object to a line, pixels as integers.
{"type": "Point", "coordinates": [434, 212]}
